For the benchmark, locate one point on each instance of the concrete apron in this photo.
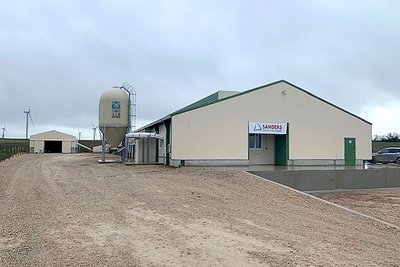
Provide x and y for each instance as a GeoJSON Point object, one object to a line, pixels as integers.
{"type": "Point", "coordinates": [397, 227]}
{"type": "Point", "coordinates": [320, 180]}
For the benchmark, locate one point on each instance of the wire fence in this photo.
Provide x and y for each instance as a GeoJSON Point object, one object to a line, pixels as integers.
{"type": "Point", "coordinates": [8, 150]}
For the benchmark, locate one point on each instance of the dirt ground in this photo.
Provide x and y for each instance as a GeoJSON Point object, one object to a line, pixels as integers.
{"type": "Point", "coordinates": [381, 204]}
{"type": "Point", "coordinates": [68, 210]}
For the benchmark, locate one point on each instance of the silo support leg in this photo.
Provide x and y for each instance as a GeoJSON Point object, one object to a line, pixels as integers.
{"type": "Point", "coordinates": [103, 146]}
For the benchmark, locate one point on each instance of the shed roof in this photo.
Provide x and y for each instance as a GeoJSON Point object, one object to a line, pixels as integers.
{"type": "Point", "coordinates": [218, 97]}
{"type": "Point", "coordinates": [215, 97]}
{"type": "Point", "coordinates": [53, 135]}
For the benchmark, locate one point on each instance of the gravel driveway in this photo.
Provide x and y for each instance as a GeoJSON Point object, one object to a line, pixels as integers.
{"type": "Point", "coordinates": [382, 204]}
{"type": "Point", "coordinates": [68, 210]}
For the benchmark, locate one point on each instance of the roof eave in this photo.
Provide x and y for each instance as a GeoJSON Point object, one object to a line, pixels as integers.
{"type": "Point", "coordinates": [327, 102]}
{"type": "Point", "coordinates": [180, 111]}
{"type": "Point", "coordinates": [159, 121]}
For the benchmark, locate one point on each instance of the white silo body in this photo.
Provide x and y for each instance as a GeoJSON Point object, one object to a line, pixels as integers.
{"type": "Point", "coordinates": [114, 115]}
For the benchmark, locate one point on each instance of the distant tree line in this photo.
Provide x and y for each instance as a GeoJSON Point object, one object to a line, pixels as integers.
{"type": "Point", "coordinates": [390, 137]}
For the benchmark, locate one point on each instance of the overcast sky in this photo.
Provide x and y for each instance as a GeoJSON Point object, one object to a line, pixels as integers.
{"type": "Point", "coordinates": [59, 56]}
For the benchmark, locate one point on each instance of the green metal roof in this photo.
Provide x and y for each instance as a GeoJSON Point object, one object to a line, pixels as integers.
{"type": "Point", "coordinates": [208, 100]}
{"type": "Point", "coordinates": [198, 104]}
{"type": "Point", "coordinates": [217, 97]}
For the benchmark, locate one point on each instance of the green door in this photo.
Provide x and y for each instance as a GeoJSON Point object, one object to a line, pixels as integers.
{"type": "Point", "coordinates": [350, 151]}
{"type": "Point", "coordinates": [281, 151]}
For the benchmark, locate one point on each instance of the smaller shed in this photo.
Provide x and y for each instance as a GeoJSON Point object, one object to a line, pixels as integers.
{"type": "Point", "coordinates": [53, 142]}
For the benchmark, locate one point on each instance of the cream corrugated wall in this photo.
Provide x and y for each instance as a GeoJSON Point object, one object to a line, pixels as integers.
{"type": "Point", "coordinates": [38, 145]}
{"type": "Point", "coordinates": [316, 129]}
{"type": "Point", "coordinates": [67, 146]}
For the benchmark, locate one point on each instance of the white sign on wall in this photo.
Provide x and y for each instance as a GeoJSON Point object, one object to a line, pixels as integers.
{"type": "Point", "coordinates": [267, 128]}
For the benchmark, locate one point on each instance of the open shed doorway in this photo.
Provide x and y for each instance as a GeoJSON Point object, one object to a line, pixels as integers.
{"type": "Point", "coordinates": [261, 149]}
{"type": "Point", "coordinates": [52, 146]}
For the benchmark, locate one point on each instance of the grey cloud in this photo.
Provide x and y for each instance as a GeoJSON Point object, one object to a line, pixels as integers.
{"type": "Point", "coordinates": [59, 57]}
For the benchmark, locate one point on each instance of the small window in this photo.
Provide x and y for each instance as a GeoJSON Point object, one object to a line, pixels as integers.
{"type": "Point", "coordinates": [254, 141]}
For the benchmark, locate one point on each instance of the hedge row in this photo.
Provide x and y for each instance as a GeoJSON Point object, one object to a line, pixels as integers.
{"type": "Point", "coordinates": [8, 150]}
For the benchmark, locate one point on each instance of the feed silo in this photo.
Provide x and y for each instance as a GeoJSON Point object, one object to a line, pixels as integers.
{"type": "Point", "coordinates": [114, 115]}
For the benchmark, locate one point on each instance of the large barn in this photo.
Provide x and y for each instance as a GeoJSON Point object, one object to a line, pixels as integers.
{"type": "Point", "coordinates": [274, 124]}
{"type": "Point", "coordinates": [53, 142]}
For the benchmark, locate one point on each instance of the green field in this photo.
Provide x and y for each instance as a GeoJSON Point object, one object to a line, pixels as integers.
{"type": "Point", "coordinates": [10, 147]}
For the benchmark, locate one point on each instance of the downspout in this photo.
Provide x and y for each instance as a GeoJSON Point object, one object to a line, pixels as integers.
{"type": "Point", "coordinates": [168, 140]}
{"type": "Point", "coordinates": [103, 145]}
{"type": "Point", "coordinates": [148, 149]}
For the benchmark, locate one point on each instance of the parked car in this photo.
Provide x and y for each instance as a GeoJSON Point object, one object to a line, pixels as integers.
{"type": "Point", "coordinates": [387, 155]}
